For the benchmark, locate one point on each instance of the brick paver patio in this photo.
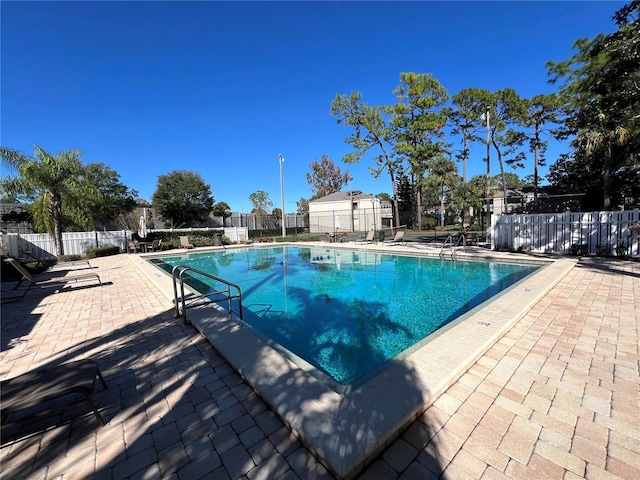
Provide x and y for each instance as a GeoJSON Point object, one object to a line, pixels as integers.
{"type": "Point", "coordinates": [557, 397]}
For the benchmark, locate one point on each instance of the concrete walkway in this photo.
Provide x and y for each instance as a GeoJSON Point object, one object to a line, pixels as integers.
{"type": "Point", "coordinates": [557, 397]}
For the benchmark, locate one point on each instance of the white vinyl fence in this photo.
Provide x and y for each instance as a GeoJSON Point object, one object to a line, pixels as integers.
{"type": "Point", "coordinates": [601, 232]}
{"type": "Point", "coordinates": [41, 246]}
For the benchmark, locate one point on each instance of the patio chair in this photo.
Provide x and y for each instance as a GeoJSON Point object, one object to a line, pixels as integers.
{"type": "Point", "coordinates": [59, 281]}
{"type": "Point", "coordinates": [369, 238]}
{"type": "Point", "coordinates": [134, 246]}
{"type": "Point", "coordinates": [471, 238]}
{"type": "Point", "coordinates": [184, 242]}
{"type": "Point", "coordinates": [399, 238]}
{"type": "Point", "coordinates": [155, 245]}
{"type": "Point", "coordinates": [51, 383]}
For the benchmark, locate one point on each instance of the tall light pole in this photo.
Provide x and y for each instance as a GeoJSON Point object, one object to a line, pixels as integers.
{"type": "Point", "coordinates": [284, 228]}
{"type": "Point", "coordinates": [488, 192]}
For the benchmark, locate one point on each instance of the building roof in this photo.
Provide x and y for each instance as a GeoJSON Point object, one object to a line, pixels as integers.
{"type": "Point", "coordinates": [343, 196]}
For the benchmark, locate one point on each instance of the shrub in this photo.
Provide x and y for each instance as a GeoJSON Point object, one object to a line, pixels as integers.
{"type": "Point", "coordinates": [579, 249]}
{"type": "Point", "coordinates": [503, 247]}
{"type": "Point", "coordinates": [621, 251]}
{"type": "Point", "coordinates": [103, 251]}
{"type": "Point", "coordinates": [602, 251]}
{"type": "Point", "coordinates": [298, 238]}
{"type": "Point", "coordinates": [171, 240]}
{"type": "Point", "coordinates": [68, 258]}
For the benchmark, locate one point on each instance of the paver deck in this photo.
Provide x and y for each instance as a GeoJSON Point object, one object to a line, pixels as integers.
{"type": "Point", "coordinates": [556, 397]}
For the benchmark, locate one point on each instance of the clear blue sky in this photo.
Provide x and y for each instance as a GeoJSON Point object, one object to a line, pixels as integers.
{"type": "Point", "coordinates": [222, 88]}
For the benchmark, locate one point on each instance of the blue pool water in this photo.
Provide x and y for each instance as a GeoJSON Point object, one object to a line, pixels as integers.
{"type": "Point", "coordinates": [348, 312]}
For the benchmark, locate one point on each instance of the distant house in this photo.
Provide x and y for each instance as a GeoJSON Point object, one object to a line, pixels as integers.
{"type": "Point", "coordinates": [351, 211]}
{"type": "Point", "coordinates": [519, 200]}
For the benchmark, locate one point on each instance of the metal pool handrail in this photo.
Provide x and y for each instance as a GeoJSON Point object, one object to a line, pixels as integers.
{"type": "Point", "coordinates": [177, 274]}
{"type": "Point", "coordinates": [453, 247]}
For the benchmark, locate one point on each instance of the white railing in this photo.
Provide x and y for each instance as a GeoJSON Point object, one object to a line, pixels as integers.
{"type": "Point", "coordinates": [601, 232]}
{"type": "Point", "coordinates": [41, 246]}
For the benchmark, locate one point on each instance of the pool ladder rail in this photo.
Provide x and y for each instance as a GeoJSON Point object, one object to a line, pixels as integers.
{"type": "Point", "coordinates": [182, 301]}
{"type": "Point", "coordinates": [453, 248]}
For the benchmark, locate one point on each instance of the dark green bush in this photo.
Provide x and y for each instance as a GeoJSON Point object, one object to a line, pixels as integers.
{"type": "Point", "coordinates": [298, 238]}
{"type": "Point", "coordinates": [171, 240]}
{"type": "Point", "coordinates": [602, 251]}
{"type": "Point", "coordinates": [68, 258]}
{"type": "Point", "coordinates": [102, 251]}
{"type": "Point", "coordinates": [621, 251]}
{"type": "Point", "coordinates": [579, 249]}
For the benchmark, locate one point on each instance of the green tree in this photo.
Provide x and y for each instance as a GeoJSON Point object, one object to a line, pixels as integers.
{"type": "Point", "coordinates": [602, 97]}
{"type": "Point", "coordinates": [542, 113]}
{"type": "Point", "coordinates": [115, 198]}
{"type": "Point", "coordinates": [442, 181]}
{"type": "Point", "coordinates": [466, 198]}
{"type": "Point", "coordinates": [326, 178]}
{"type": "Point", "coordinates": [418, 118]}
{"type": "Point", "coordinates": [303, 206]}
{"type": "Point", "coordinates": [55, 185]}
{"type": "Point", "coordinates": [182, 197]}
{"type": "Point", "coordinates": [471, 107]}
{"type": "Point", "coordinates": [277, 212]}
{"type": "Point", "coordinates": [479, 190]}
{"type": "Point", "coordinates": [406, 200]}
{"type": "Point", "coordinates": [506, 110]}
{"type": "Point", "coordinates": [512, 180]}
{"type": "Point", "coordinates": [370, 130]}
{"type": "Point", "coordinates": [222, 209]}
{"type": "Point", "coordinates": [261, 202]}
{"type": "Point", "coordinates": [466, 119]}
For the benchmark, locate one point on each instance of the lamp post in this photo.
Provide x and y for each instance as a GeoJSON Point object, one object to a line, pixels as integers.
{"type": "Point", "coordinates": [284, 228]}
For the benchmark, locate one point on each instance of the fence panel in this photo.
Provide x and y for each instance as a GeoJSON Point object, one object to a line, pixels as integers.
{"type": "Point", "coordinates": [600, 232]}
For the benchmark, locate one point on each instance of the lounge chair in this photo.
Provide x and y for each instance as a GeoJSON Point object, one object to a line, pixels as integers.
{"type": "Point", "coordinates": [369, 238]}
{"type": "Point", "coordinates": [63, 266]}
{"type": "Point", "coordinates": [60, 281]}
{"type": "Point", "coordinates": [243, 238]}
{"type": "Point", "coordinates": [399, 238]}
{"type": "Point", "coordinates": [184, 242]}
{"type": "Point", "coordinates": [27, 256]}
{"type": "Point", "coordinates": [50, 383]}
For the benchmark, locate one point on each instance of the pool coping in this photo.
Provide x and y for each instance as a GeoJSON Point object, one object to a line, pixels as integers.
{"type": "Point", "coordinates": [347, 431]}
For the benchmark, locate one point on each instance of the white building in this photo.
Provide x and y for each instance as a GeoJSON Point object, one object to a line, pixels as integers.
{"type": "Point", "coordinates": [351, 211]}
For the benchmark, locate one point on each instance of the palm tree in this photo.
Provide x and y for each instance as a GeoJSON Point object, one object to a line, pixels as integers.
{"type": "Point", "coordinates": [603, 139]}
{"type": "Point", "coordinates": [443, 177]}
{"type": "Point", "coordinates": [56, 187]}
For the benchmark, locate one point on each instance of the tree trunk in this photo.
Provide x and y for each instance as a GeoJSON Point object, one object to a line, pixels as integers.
{"type": "Point", "coordinates": [419, 202]}
{"type": "Point", "coordinates": [606, 178]}
{"type": "Point", "coordinates": [56, 205]}
{"type": "Point", "coordinates": [535, 170]}
{"type": "Point", "coordinates": [465, 149]}
{"type": "Point", "coordinates": [442, 207]}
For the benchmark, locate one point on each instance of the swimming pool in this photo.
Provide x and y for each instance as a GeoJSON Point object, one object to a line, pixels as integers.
{"type": "Point", "coordinates": [348, 312]}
